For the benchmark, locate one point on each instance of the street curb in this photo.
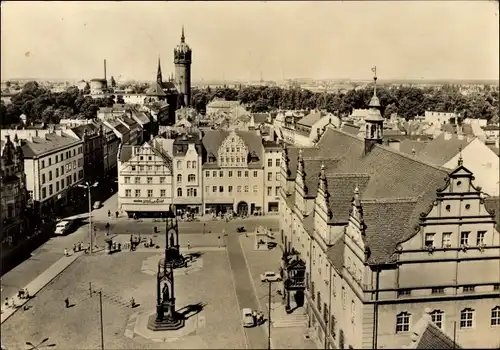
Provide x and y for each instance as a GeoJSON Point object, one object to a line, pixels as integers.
{"type": "Point", "coordinates": [253, 284]}
{"type": "Point", "coordinates": [7, 315]}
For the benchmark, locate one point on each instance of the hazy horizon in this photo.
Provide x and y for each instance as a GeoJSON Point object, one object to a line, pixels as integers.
{"type": "Point", "coordinates": [242, 41]}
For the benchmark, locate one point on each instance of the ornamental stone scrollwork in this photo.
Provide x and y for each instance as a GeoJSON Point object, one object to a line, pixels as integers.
{"type": "Point", "coordinates": [416, 228]}
{"type": "Point", "coordinates": [399, 248]}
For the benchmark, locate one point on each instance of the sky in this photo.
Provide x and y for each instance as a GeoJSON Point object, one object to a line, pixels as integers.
{"type": "Point", "coordinates": [244, 40]}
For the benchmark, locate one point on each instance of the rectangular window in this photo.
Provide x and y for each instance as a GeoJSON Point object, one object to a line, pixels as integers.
{"type": "Point", "coordinates": [57, 159]}
{"type": "Point", "coordinates": [403, 322]}
{"type": "Point", "coordinates": [43, 164]}
{"type": "Point", "coordinates": [207, 173]}
{"type": "Point", "coordinates": [269, 176]}
{"type": "Point", "coordinates": [437, 290]}
{"type": "Point", "coordinates": [269, 191]}
{"type": "Point", "coordinates": [150, 193]}
{"type": "Point", "coordinates": [62, 184]}
{"type": "Point", "coordinates": [495, 316]}
{"type": "Point", "coordinates": [193, 165]}
{"type": "Point", "coordinates": [127, 179]}
{"type": "Point", "coordinates": [446, 239]}
{"type": "Point", "coordinates": [214, 189]}
{"type": "Point", "coordinates": [230, 189]}
{"type": "Point", "coordinates": [467, 318]}
{"type": "Point", "coordinates": [480, 238]}
{"type": "Point", "coordinates": [277, 176]}
{"type": "Point", "coordinates": [429, 240]}
{"type": "Point", "coordinates": [207, 189]}
{"type": "Point", "coordinates": [269, 162]}
{"type": "Point", "coordinates": [50, 161]}
{"type": "Point", "coordinates": [214, 173]}
{"type": "Point", "coordinates": [137, 193]}
{"type": "Point", "coordinates": [57, 186]}
{"type": "Point", "coordinates": [230, 173]}
{"type": "Point", "coordinates": [246, 173]}
{"type": "Point", "coordinates": [50, 190]}
{"type": "Point", "coordinates": [255, 188]}
{"type": "Point", "coordinates": [246, 188]}
{"type": "Point", "coordinates": [141, 168]}
{"type": "Point", "coordinates": [74, 164]}
{"type": "Point", "coordinates": [137, 180]}
{"type": "Point", "coordinates": [255, 173]}
{"type": "Point", "coordinates": [221, 189]}
{"type": "Point", "coordinates": [277, 191]}
{"type": "Point", "coordinates": [74, 177]}
{"type": "Point", "coordinates": [221, 173]}
{"type": "Point", "coordinates": [278, 162]}
{"type": "Point", "coordinates": [464, 238]}
{"type": "Point", "coordinates": [149, 180]}
{"type": "Point", "coordinates": [150, 168]}
{"type": "Point", "coordinates": [162, 179]}
{"type": "Point", "coordinates": [437, 318]}
{"type": "Point", "coordinates": [43, 178]}
{"type": "Point", "coordinates": [128, 193]}
{"type": "Point", "coordinates": [44, 192]}
{"type": "Point", "coordinates": [239, 188]}
{"type": "Point", "coordinates": [239, 173]}
{"type": "Point", "coordinates": [404, 292]}
{"type": "Point", "coordinates": [62, 170]}
{"type": "Point", "coordinates": [133, 168]}
{"type": "Point", "coordinates": [469, 289]}
{"type": "Point", "coordinates": [57, 172]}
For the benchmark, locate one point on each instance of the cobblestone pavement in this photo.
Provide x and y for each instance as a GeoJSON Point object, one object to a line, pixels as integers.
{"type": "Point", "coordinates": [259, 261]}
{"type": "Point", "coordinates": [119, 277]}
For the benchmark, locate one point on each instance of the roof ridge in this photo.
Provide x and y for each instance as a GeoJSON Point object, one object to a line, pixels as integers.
{"type": "Point", "coordinates": [353, 175]}
{"type": "Point", "coordinates": [390, 200]}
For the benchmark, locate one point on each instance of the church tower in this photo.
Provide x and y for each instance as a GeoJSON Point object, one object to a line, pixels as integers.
{"type": "Point", "coordinates": [182, 60]}
{"type": "Point", "coordinates": [374, 122]}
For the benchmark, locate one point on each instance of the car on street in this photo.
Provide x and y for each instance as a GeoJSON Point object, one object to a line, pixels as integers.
{"type": "Point", "coordinates": [62, 227]}
{"type": "Point", "coordinates": [248, 320]}
{"type": "Point", "coordinates": [269, 276]}
{"type": "Point", "coordinates": [97, 205]}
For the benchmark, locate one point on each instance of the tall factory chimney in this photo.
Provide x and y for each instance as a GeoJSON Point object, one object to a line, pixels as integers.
{"type": "Point", "coordinates": [105, 77]}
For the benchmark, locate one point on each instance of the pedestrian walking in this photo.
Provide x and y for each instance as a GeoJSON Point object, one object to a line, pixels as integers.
{"type": "Point", "coordinates": [6, 302]}
{"type": "Point", "coordinates": [260, 316]}
{"type": "Point", "coordinates": [117, 214]}
{"type": "Point", "coordinates": [189, 245]}
{"type": "Point", "coordinates": [254, 315]}
{"type": "Point", "coordinates": [74, 248]}
{"type": "Point", "coordinates": [109, 213]}
{"type": "Point", "coordinates": [131, 242]}
{"type": "Point", "coordinates": [132, 303]}
{"type": "Point", "coordinates": [66, 302]}
{"type": "Point", "coordinates": [65, 252]}
{"type": "Point", "coordinates": [218, 241]}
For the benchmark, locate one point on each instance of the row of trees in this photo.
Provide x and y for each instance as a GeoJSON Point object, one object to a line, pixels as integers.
{"type": "Point", "coordinates": [41, 105]}
{"type": "Point", "coordinates": [407, 102]}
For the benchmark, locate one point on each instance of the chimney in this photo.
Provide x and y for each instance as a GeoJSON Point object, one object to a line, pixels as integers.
{"type": "Point", "coordinates": [447, 136]}
{"type": "Point", "coordinates": [105, 77]}
{"type": "Point", "coordinates": [30, 138]}
{"type": "Point", "coordinates": [59, 132]}
{"type": "Point", "coordinates": [7, 138]}
{"type": "Point", "coordinates": [460, 136]}
{"type": "Point", "coordinates": [395, 145]}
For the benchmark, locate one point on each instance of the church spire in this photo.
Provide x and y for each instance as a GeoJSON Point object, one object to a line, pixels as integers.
{"type": "Point", "coordinates": [159, 78]}
{"type": "Point", "coordinates": [374, 123]}
{"type": "Point", "coordinates": [183, 38]}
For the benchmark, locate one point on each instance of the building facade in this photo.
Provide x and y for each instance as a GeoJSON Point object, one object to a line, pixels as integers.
{"type": "Point", "coordinates": [144, 180]}
{"type": "Point", "coordinates": [188, 176]}
{"type": "Point", "coordinates": [233, 173]}
{"type": "Point", "coordinates": [110, 151]}
{"type": "Point", "coordinates": [13, 193]}
{"type": "Point", "coordinates": [272, 176]}
{"type": "Point", "coordinates": [385, 237]}
{"type": "Point", "coordinates": [182, 61]}
{"type": "Point", "coordinates": [54, 166]}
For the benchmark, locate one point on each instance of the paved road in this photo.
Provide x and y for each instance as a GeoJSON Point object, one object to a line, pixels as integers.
{"type": "Point", "coordinates": [256, 336]}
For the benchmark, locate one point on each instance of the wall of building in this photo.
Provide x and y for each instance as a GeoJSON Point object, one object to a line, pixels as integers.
{"type": "Point", "coordinates": [189, 164]}
{"type": "Point", "coordinates": [272, 177]}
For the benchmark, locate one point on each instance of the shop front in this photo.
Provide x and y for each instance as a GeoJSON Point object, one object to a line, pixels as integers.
{"type": "Point", "coordinates": [145, 208]}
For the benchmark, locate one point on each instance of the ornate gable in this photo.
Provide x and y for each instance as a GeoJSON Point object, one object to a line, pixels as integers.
{"type": "Point", "coordinates": [233, 152]}
{"type": "Point", "coordinates": [356, 226]}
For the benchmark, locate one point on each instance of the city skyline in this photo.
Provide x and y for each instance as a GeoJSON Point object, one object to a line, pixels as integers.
{"type": "Point", "coordinates": [247, 41]}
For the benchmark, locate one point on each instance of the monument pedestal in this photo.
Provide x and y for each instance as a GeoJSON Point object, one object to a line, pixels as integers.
{"type": "Point", "coordinates": [166, 318]}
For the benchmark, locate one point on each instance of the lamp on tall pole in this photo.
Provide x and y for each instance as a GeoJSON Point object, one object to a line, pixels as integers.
{"type": "Point", "coordinates": [88, 186]}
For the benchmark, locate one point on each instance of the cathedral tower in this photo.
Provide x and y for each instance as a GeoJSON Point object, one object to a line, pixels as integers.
{"type": "Point", "coordinates": [182, 60]}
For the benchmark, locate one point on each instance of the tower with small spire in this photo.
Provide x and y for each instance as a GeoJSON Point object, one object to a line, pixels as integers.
{"type": "Point", "coordinates": [182, 61]}
{"type": "Point", "coordinates": [374, 122]}
{"type": "Point", "coordinates": [159, 77]}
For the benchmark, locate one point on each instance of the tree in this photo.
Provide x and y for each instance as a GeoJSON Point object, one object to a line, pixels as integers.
{"type": "Point", "coordinates": [9, 114]}
{"type": "Point", "coordinates": [48, 115]}
{"type": "Point", "coordinates": [120, 100]}
{"type": "Point", "coordinates": [86, 89]}
{"type": "Point", "coordinates": [389, 110]}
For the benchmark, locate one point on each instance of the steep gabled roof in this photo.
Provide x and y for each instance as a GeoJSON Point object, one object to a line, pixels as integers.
{"type": "Point", "coordinates": [213, 139]}
{"type": "Point", "coordinates": [155, 90]}
{"type": "Point", "coordinates": [427, 335]}
{"type": "Point", "coordinates": [310, 119]}
{"type": "Point", "coordinates": [440, 150]}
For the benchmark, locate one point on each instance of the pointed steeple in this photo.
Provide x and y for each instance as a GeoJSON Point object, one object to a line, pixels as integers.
{"type": "Point", "coordinates": [356, 201]}
{"type": "Point", "coordinates": [322, 178]}
{"type": "Point", "coordinates": [159, 78]}
{"type": "Point", "coordinates": [300, 162]}
{"type": "Point", "coordinates": [460, 159]}
{"type": "Point", "coordinates": [183, 38]}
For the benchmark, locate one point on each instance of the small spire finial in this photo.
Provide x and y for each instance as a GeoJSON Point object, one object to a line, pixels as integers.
{"type": "Point", "coordinates": [356, 190]}
{"type": "Point", "coordinates": [300, 154]}
{"type": "Point", "coordinates": [183, 38]}
{"type": "Point", "coordinates": [374, 70]}
{"type": "Point", "coordinates": [460, 159]}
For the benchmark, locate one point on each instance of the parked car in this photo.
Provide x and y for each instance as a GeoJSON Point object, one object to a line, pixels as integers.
{"type": "Point", "coordinates": [248, 320]}
{"type": "Point", "coordinates": [269, 276]}
{"type": "Point", "coordinates": [97, 205]}
{"type": "Point", "coordinates": [62, 227]}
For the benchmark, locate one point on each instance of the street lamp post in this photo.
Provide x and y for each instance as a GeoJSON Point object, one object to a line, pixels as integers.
{"type": "Point", "coordinates": [88, 186]}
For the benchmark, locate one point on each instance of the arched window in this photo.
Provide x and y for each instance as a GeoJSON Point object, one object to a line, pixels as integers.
{"type": "Point", "coordinates": [402, 322]}
{"type": "Point", "coordinates": [179, 192]}
{"type": "Point", "coordinates": [193, 164]}
{"type": "Point", "coordinates": [179, 178]}
{"type": "Point", "coordinates": [191, 178]}
{"type": "Point", "coordinates": [466, 318]}
{"type": "Point", "coordinates": [179, 164]}
{"type": "Point", "coordinates": [437, 318]}
{"type": "Point", "coordinates": [188, 164]}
